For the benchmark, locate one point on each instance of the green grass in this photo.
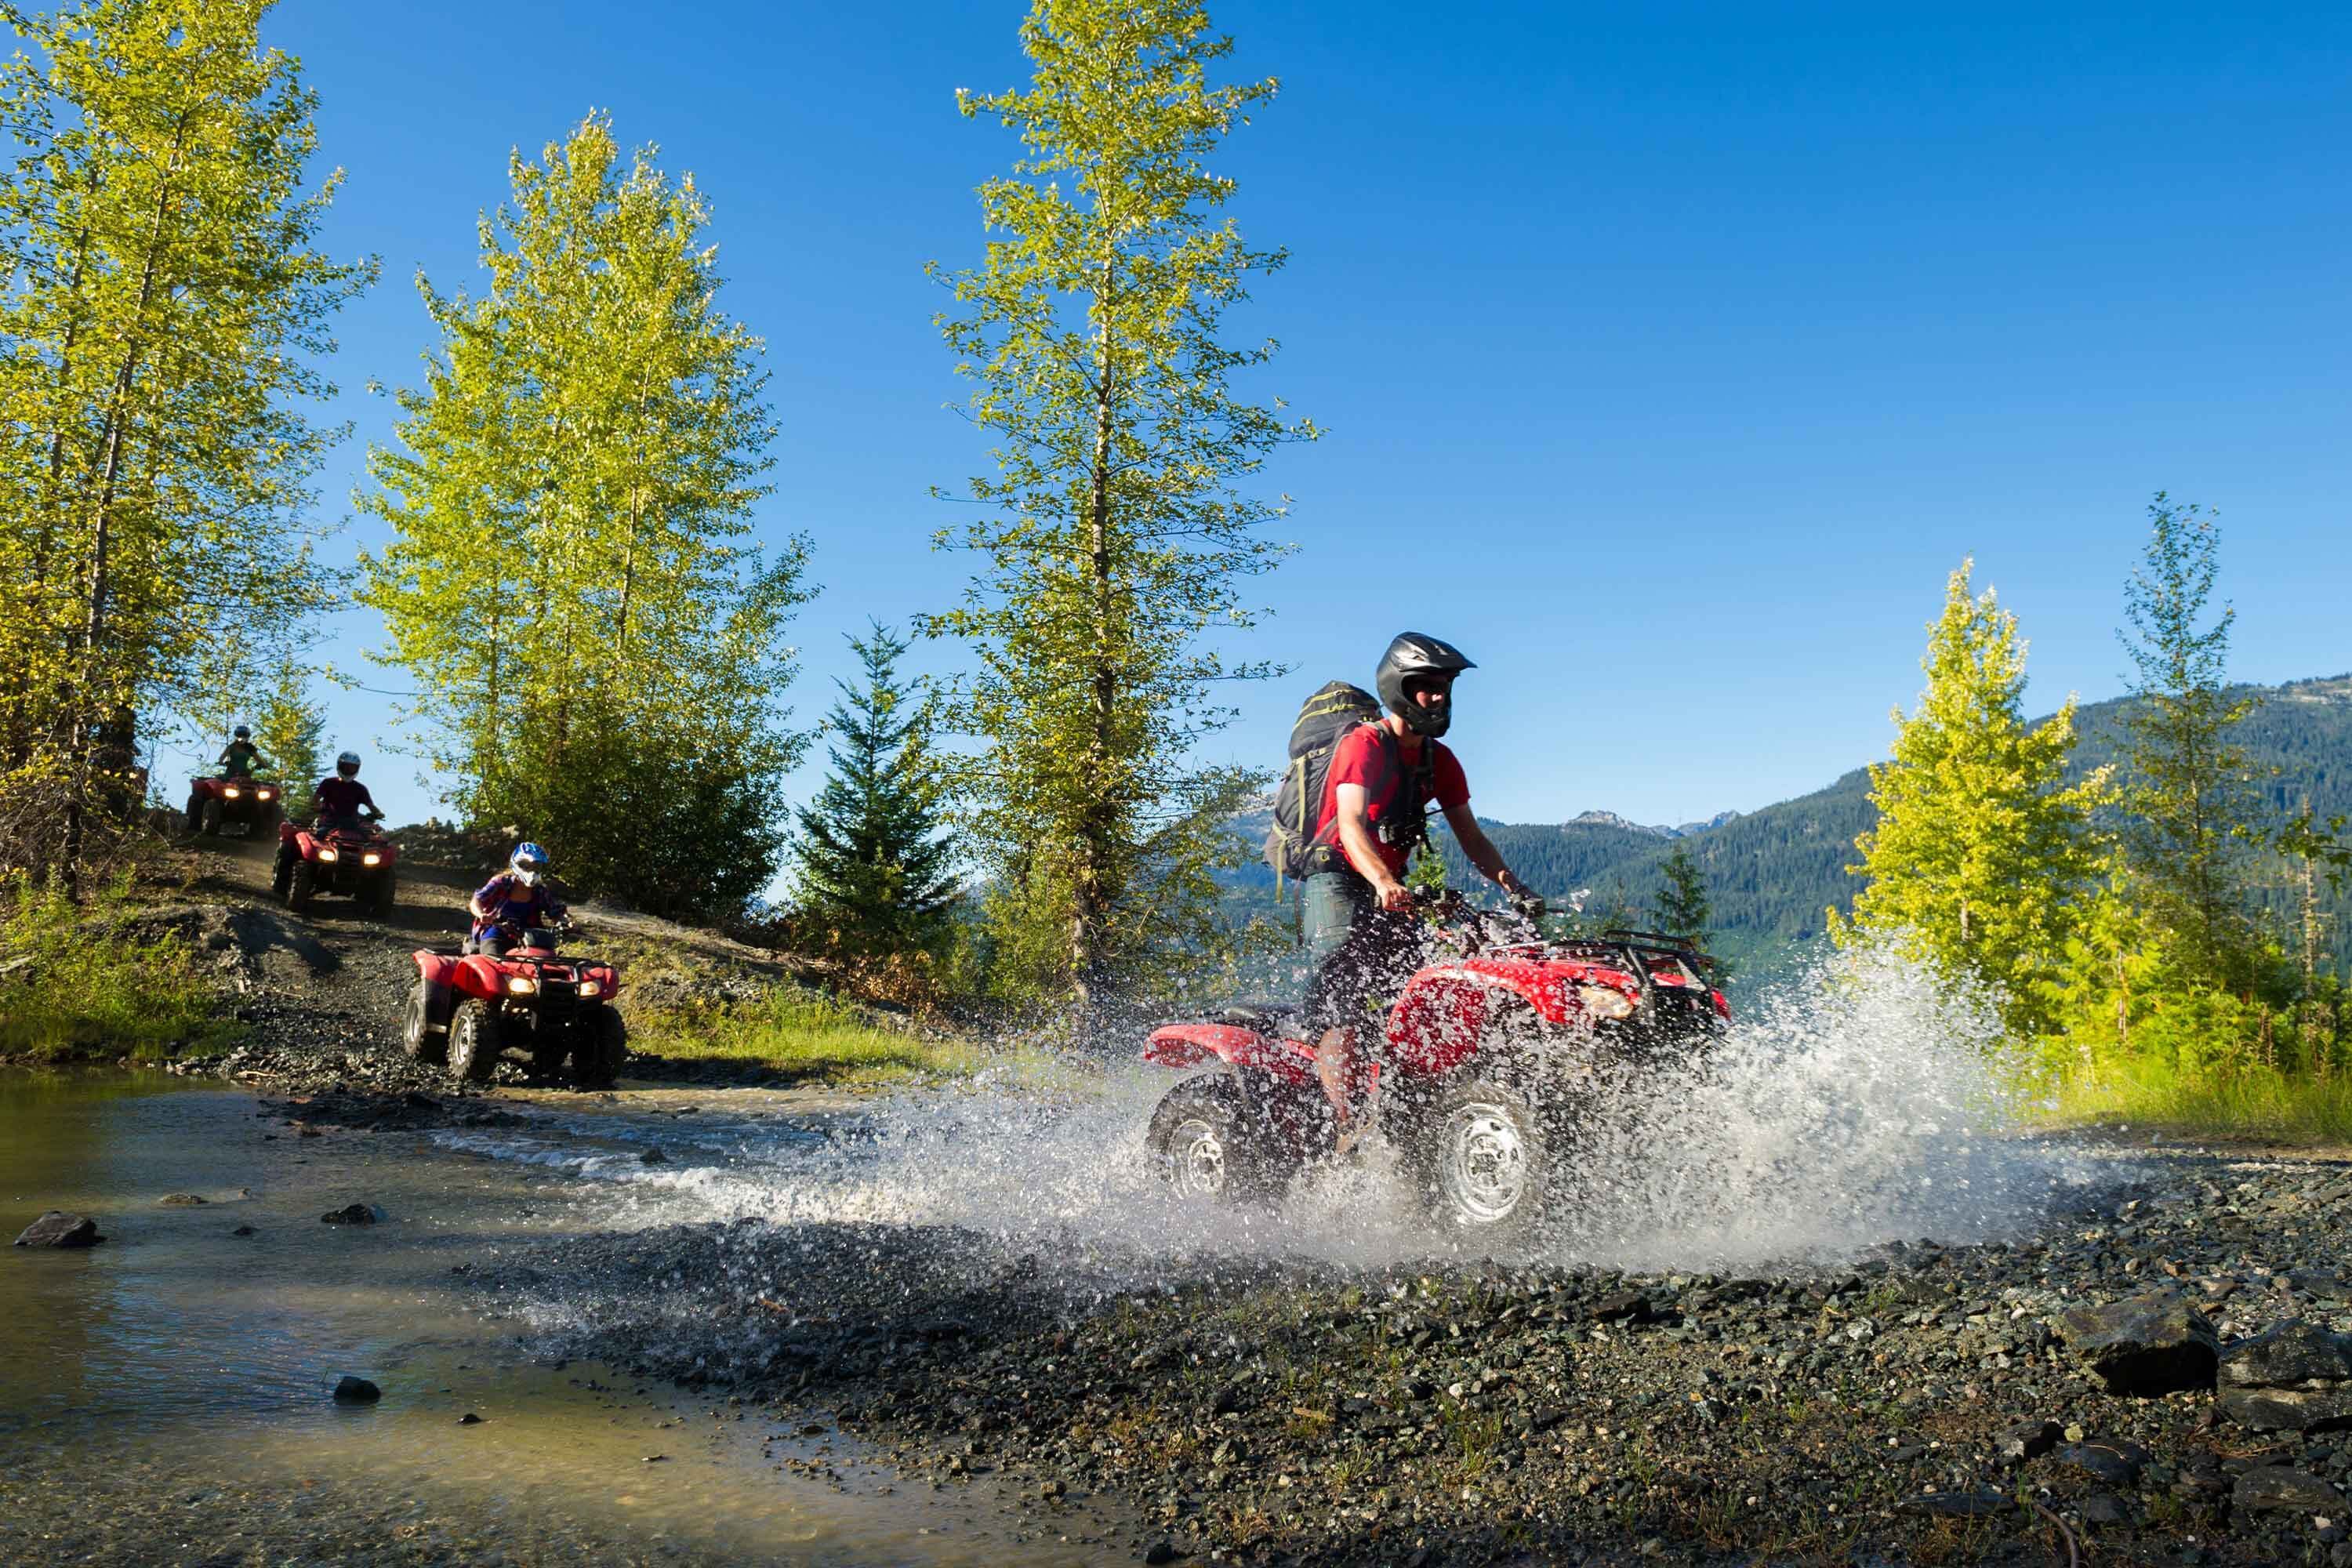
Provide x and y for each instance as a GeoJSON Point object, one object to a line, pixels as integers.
{"type": "Point", "coordinates": [73, 985]}
{"type": "Point", "coordinates": [2256, 1103]}
{"type": "Point", "coordinates": [811, 1038]}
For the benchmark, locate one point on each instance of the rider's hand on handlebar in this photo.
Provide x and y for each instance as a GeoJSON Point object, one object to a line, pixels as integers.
{"type": "Point", "coordinates": [1528, 906]}
{"type": "Point", "coordinates": [1395, 897]}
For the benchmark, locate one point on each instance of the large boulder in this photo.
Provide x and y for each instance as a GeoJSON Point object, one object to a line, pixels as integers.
{"type": "Point", "coordinates": [2285, 1490]}
{"type": "Point", "coordinates": [2146, 1344]}
{"type": "Point", "coordinates": [2295, 1378]}
{"type": "Point", "coordinates": [59, 1228]}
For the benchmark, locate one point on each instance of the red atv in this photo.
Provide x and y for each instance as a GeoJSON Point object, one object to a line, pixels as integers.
{"type": "Point", "coordinates": [233, 801]}
{"type": "Point", "coordinates": [1491, 1062]}
{"type": "Point", "coordinates": [466, 1008]}
{"type": "Point", "coordinates": [342, 855]}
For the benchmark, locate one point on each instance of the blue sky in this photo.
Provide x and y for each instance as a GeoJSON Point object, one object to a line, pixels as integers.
{"type": "Point", "coordinates": [1671, 355]}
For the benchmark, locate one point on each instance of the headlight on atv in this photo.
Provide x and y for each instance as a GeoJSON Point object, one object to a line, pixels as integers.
{"type": "Point", "coordinates": [232, 792]}
{"type": "Point", "coordinates": [326, 854]}
{"type": "Point", "coordinates": [261, 795]}
{"type": "Point", "coordinates": [590, 988]}
{"type": "Point", "coordinates": [520, 985]}
{"type": "Point", "coordinates": [371, 859]}
{"type": "Point", "coordinates": [1605, 1001]}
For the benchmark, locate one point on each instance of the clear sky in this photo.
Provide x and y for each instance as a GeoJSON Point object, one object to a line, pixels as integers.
{"type": "Point", "coordinates": [1671, 355]}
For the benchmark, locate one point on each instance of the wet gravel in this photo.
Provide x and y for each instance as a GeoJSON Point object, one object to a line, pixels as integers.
{"type": "Point", "coordinates": [1921, 1405]}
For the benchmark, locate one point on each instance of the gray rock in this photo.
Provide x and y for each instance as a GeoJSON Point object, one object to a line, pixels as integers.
{"type": "Point", "coordinates": [357, 1390]}
{"type": "Point", "coordinates": [2286, 1491]}
{"type": "Point", "coordinates": [653, 1157]}
{"type": "Point", "coordinates": [1956, 1505]}
{"type": "Point", "coordinates": [59, 1228]}
{"type": "Point", "coordinates": [243, 1230]}
{"type": "Point", "coordinates": [2115, 1462]}
{"type": "Point", "coordinates": [2297, 1377]}
{"type": "Point", "coordinates": [2152, 1343]}
{"type": "Point", "coordinates": [349, 1213]}
{"type": "Point", "coordinates": [180, 1201]}
{"type": "Point", "coordinates": [2105, 1507]}
{"type": "Point", "coordinates": [2029, 1439]}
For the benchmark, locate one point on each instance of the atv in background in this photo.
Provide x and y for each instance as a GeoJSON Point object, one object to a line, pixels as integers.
{"type": "Point", "coordinates": [233, 801]}
{"type": "Point", "coordinates": [1492, 1062]}
{"type": "Point", "coordinates": [466, 1008]}
{"type": "Point", "coordinates": [335, 855]}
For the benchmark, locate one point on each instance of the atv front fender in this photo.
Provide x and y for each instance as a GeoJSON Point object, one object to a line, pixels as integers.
{"type": "Point", "coordinates": [1189, 1044]}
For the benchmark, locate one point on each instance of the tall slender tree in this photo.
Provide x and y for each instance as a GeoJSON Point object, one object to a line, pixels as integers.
{"type": "Point", "coordinates": [1683, 907]}
{"type": "Point", "coordinates": [597, 641]}
{"type": "Point", "coordinates": [165, 315]}
{"type": "Point", "coordinates": [1117, 536]}
{"type": "Point", "coordinates": [1982, 849]}
{"type": "Point", "coordinates": [2193, 811]}
{"type": "Point", "coordinates": [874, 866]}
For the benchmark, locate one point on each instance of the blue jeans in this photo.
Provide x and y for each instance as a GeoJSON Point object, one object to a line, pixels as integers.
{"type": "Point", "coordinates": [1362, 953]}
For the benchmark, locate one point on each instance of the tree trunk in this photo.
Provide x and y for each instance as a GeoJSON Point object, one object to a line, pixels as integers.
{"type": "Point", "coordinates": [1087, 869]}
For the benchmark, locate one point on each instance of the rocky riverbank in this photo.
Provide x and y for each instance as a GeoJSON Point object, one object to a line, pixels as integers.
{"type": "Point", "coordinates": [2029, 1401]}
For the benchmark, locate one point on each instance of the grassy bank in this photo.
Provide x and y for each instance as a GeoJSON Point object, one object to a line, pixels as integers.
{"type": "Point", "coordinates": [811, 1038]}
{"type": "Point", "coordinates": [2260, 1103]}
{"type": "Point", "coordinates": [77, 982]}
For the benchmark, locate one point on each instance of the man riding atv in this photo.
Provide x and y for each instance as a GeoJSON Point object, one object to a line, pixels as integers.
{"type": "Point", "coordinates": [342, 799]}
{"type": "Point", "coordinates": [518, 900]}
{"type": "Point", "coordinates": [240, 757]}
{"type": "Point", "coordinates": [1361, 931]}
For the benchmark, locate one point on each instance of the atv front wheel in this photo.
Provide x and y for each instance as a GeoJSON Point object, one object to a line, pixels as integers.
{"type": "Point", "coordinates": [418, 1037]}
{"type": "Point", "coordinates": [211, 829]}
{"type": "Point", "coordinates": [1485, 1154]}
{"type": "Point", "coordinates": [196, 814]}
{"type": "Point", "coordinates": [1208, 1145]}
{"type": "Point", "coordinates": [604, 1046]}
{"type": "Point", "coordinates": [281, 870]}
{"type": "Point", "coordinates": [300, 883]}
{"type": "Point", "coordinates": [381, 905]}
{"type": "Point", "coordinates": [475, 1040]}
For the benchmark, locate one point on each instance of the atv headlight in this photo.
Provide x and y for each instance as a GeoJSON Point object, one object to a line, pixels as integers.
{"type": "Point", "coordinates": [325, 853]}
{"type": "Point", "coordinates": [1605, 1001]}
{"type": "Point", "coordinates": [589, 988]}
{"type": "Point", "coordinates": [520, 985]}
{"type": "Point", "coordinates": [231, 792]}
{"type": "Point", "coordinates": [261, 795]}
{"type": "Point", "coordinates": [371, 859]}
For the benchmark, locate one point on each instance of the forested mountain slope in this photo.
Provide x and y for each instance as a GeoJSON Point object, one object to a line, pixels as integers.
{"type": "Point", "coordinates": [1773, 873]}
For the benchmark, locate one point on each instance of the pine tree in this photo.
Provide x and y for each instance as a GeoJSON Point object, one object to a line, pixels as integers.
{"type": "Point", "coordinates": [166, 308]}
{"type": "Point", "coordinates": [599, 648]}
{"type": "Point", "coordinates": [2193, 811]}
{"type": "Point", "coordinates": [289, 730]}
{"type": "Point", "coordinates": [1118, 540]}
{"type": "Point", "coordinates": [873, 864]}
{"type": "Point", "coordinates": [1981, 848]}
{"type": "Point", "coordinates": [1683, 908]}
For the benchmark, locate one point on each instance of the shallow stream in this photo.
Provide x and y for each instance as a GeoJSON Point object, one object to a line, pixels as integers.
{"type": "Point", "coordinates": [167, 1395]}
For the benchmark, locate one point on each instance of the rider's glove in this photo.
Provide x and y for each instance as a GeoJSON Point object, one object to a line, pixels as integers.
{"type": "Point", "coordinates": [1528, 906]}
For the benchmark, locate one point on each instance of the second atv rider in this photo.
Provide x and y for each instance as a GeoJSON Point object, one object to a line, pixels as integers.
{"type": "Point", "coordinates": [516, 899]}
{"type": "Point", "coordinates": [240, 757]}
{"type": "Point", "coordinates": [341, 800]}
{"type": "Point", "coordinates": [1361, 934]}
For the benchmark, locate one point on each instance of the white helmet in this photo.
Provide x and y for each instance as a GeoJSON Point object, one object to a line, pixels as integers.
{"type": "Point", "coordinates": [528, 863]}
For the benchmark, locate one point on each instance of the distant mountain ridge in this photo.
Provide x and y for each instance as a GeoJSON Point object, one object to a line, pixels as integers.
{"type": "Point", "coordinates": [1773, 872]}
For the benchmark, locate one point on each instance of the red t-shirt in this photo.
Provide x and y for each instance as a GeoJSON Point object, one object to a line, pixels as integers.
{"type": "Point", "coordinates": [1368, 756]}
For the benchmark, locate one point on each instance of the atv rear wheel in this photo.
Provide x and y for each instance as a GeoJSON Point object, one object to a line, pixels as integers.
{"type": "Point", "coordinates": [418, 1037]}
{"type": "Point", "coordinates": [603, 1044]}
{"type": "Point", "coordinates": [475, 1040]}
{"type": "Point", "coordinates": [300, 883]}
{"type": "Point", "coordinates": [281, 870]}
{"type": "Point", "coordinates": [211, 829]}
{"type": "Point", "coordinates": [1208, 1145]}
{"type": "Point", "coordinates": [1486, 1153]}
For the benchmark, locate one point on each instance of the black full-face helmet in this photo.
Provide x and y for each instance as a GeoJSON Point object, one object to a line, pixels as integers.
{"type": "Point", "coordinates": [1413, 658]}
{"type": "Point", "coordinates": [243, 734]}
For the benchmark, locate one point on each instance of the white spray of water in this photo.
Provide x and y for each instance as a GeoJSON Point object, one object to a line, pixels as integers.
{"type": "Point", "coordinates": [1859, 1106]}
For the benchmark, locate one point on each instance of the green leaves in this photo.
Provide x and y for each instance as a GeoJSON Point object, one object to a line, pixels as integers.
{"type": "Point", "coordinates": [571, 581]}
{"type": "Point", "coordinates": [1116, 535]}
{"type": "Point", "coordinates": [1982, 850]}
